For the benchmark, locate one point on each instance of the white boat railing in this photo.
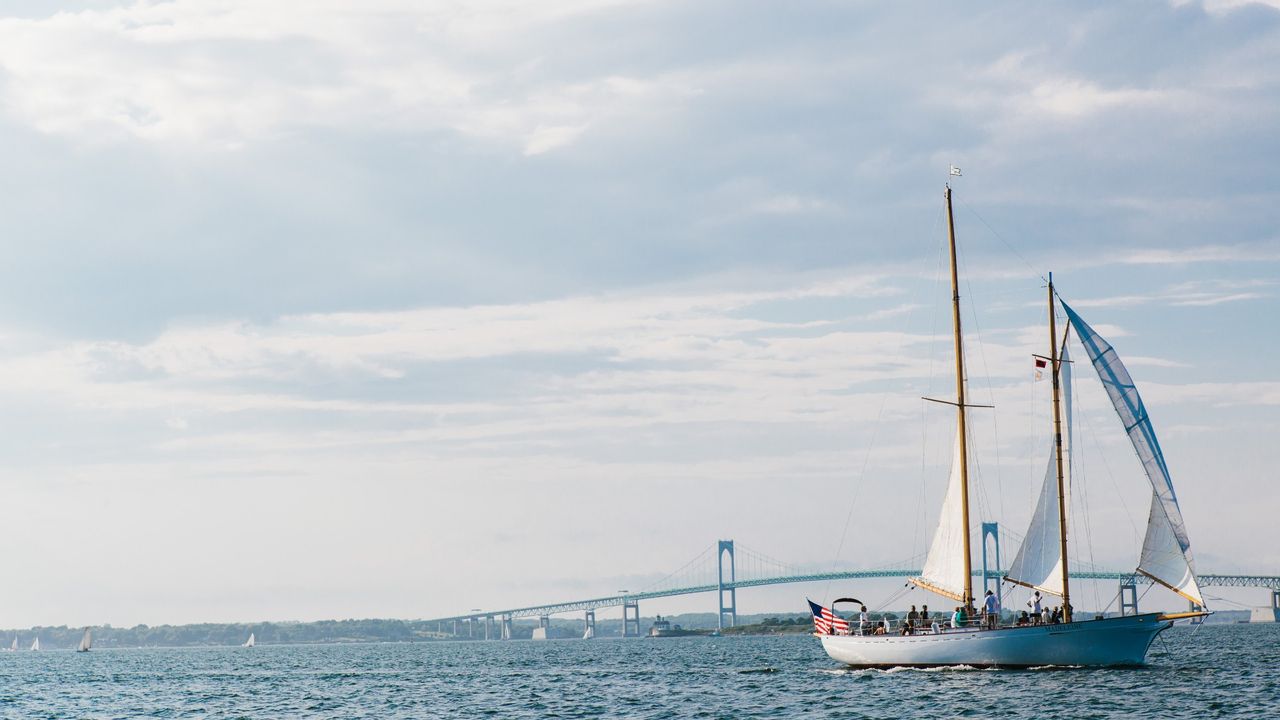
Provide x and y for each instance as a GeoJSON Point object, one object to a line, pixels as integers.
{"type": "Point", "coordinates": [932, 626]}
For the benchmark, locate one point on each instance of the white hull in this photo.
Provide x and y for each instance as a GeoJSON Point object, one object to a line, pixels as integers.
{"type": "Point", "coordinates": [1113, 641]}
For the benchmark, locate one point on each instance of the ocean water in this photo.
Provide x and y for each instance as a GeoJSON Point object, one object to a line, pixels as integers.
{"type": "Point", "coordinates": [1215, 671]}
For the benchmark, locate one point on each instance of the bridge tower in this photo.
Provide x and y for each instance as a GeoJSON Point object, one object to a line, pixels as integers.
{"type": "Point", "coordinates": [630, 618]}
{"type": "Point", "coordinates": [731, 609]}
{"type": "Point", "coordinates": [589, 625]}
{"type": "Point", "coordinates": [1128, 596]}
{"type": "Point", "coordinates": [506, 627]}
{"type": "Point", "coordinates": [992, 530]}
{"type": "Point", "coordinates": [488, 627]}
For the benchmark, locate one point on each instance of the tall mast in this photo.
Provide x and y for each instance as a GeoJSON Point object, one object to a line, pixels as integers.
{"type": "Point", "coordinates": [960, 407]}
{"type": "Point", "coordinates": [1057, 448]}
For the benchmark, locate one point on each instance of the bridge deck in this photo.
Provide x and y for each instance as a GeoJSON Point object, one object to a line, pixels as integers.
{"type": "Point", "coordinates": [1268, 581]}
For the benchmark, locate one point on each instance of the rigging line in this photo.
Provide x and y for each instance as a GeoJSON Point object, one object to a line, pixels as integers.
{"type": "Point", "coordinates": [917, 539]}
{"type": "Point", "coordinates": [1000, 237]}
{"type": "Point", "coordinates": [1107, 466]}
{"type": "Point", "coordinates": [875, 434]}
{"type": "Point", "coordinates": [1084, 490]}
{"type": "Point", "coordinates": [985, 501]}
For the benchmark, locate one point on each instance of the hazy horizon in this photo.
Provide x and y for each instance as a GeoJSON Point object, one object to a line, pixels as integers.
{"type": "Point", "coordinates": [313, 310]}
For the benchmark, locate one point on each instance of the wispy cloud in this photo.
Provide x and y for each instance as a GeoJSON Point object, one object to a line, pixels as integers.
{"type": "Point", "coordinates": [1200, 293]}
{"type": "Point", "coordinates": [156, 71]}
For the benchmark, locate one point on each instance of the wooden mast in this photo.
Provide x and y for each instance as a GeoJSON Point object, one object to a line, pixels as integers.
{"type": "Point", "coordinates": [960, 408]}
{"type": "Point", "coordinates": [1056, 367]}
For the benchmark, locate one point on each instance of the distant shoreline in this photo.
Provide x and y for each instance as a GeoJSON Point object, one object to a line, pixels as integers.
{"type": "Point", "coordinates": [340, 632]}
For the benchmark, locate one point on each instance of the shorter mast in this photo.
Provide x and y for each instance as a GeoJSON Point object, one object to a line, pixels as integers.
{"type": "Point", "coordinates": [1057, 449]}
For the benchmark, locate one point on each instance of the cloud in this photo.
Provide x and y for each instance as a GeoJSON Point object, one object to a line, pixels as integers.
{"type": "Point", "coordinates": [1222, 7]}
{"type": "Point", "coordinates": [1198, 293]}
{"type": "Point", "coordinates": [1245, 252]}
{"type": "Point", "coordinates": [222, 74]}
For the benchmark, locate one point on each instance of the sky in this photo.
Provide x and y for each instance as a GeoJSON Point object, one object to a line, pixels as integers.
{"type": "Point", "coordinates": [396, 309]}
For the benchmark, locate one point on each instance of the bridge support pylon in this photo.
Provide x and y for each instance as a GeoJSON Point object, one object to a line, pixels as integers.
{"type": "Point", "coordinates": [992, 530]}
{"type": "Point", "coordinates": [488, 627]}
{"type": "Point", "coordinates": [730, 609]}
{"type": "Point", "coordinates": [506, 627]}
{"type": "Point", "coordinates": [630, 618]}
{"type": "Point", "coordinates": [589, 625]}
{"type": "Point", "coordinates": [1128, 597]}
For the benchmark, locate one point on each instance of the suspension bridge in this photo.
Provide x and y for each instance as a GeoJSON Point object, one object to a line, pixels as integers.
{"type": "Point", "coordinates": [737, 567]}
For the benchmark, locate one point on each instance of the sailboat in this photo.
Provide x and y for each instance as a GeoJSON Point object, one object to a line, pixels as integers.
{"type": "Point", "coordinates": [14, 647]}
{"type": "Point", "coordinates": [36, 644]}
{"type": "Point", "coordinates": [1042, 560]}
{"type": "Point", "coordinates": [589, 633]}
{"type": "Point", "coordinates": [249, 642]}
{"type": "Point", "coordinates": [86, 641]}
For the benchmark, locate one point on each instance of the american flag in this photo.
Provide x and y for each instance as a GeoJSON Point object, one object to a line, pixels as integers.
{"type": "Point", "coordinates": [827, 622]}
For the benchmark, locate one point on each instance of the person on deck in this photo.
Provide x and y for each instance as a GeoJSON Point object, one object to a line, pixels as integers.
{"type": "Point", "coordinates": [991, 610]}
{"type": "Point", "coordinates": [1034, 604]}
{"type": "Point", "coordinates": [913, 617]}
{"type": "Point", "coordinates": [957, 617]}
{"type": "Point", "coordinates": [864, 624]}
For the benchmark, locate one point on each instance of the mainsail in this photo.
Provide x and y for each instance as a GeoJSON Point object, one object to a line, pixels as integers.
{"type": "Point", "coordinates": [1039, 560]}
{"type": "Point", "coordinates": [86, 642]}
{"type": "Point", "coordinates": [944, 567]}
{"type": "Point", "coordinates": [1166, 550]}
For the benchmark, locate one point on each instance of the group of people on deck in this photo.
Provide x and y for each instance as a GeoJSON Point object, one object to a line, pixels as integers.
{"type": "Point", "coordinates": [1040, 613]}
{"type": "Point", "coordinates": [988, 617]}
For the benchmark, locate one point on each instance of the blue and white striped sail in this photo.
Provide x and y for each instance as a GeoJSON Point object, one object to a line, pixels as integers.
{"type": "Point", "coordinates": [1166, 550]}
{"type": "Point", "coordinates": [1038, 563]}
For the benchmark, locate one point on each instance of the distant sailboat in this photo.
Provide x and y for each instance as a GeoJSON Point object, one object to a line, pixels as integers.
{"type": "Point", "coordinates": [36, 645]}
{"type": "Point", "coordinates": [590, 633]}
{"type": "Point", "coordinates": [14, 646]}
{"type": "Point", "coordinates": [249, 642]}
{"type": "Point", "coordinates": [86, 641]}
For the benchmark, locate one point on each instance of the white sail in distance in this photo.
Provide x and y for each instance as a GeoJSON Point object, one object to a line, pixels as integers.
{"type": "Point", "coordinates": [1038, 563]}
{"type": "Point", "coordinates": [1166, 550]}
{"type": "Point", "coordinates": [35, 645]}
{"type": "Point", "coordinates": [86, 641]}
{"type": "Point", "coordinates": [249, 642]}
{"type": "Point", "coordinates": [943, 571]}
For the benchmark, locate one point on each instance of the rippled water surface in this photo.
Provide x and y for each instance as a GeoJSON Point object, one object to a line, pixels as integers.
{"type": "Point", "coordinates": [1217, 671]}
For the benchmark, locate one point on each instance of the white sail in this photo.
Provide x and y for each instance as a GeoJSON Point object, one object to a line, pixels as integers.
{"type": "Point", "coordinates": [1166, 551]}
{"type": "Point", "coordinates": [1038, 563]}
{"type": "Point", "coordinates": [589, 634]}
{"type": "Point", "coordinates": [249, 642]}
{"type": "Point", "coordinates": [943, 571]}
{"type": "Point", "coordinates": [36, 645]}
{"type": "Point", "coordinates": [14, 646]}
{"type": "Point", "coordinates": [86, 641]}
{"type": "Point", "coordinates": [1163, 559]}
